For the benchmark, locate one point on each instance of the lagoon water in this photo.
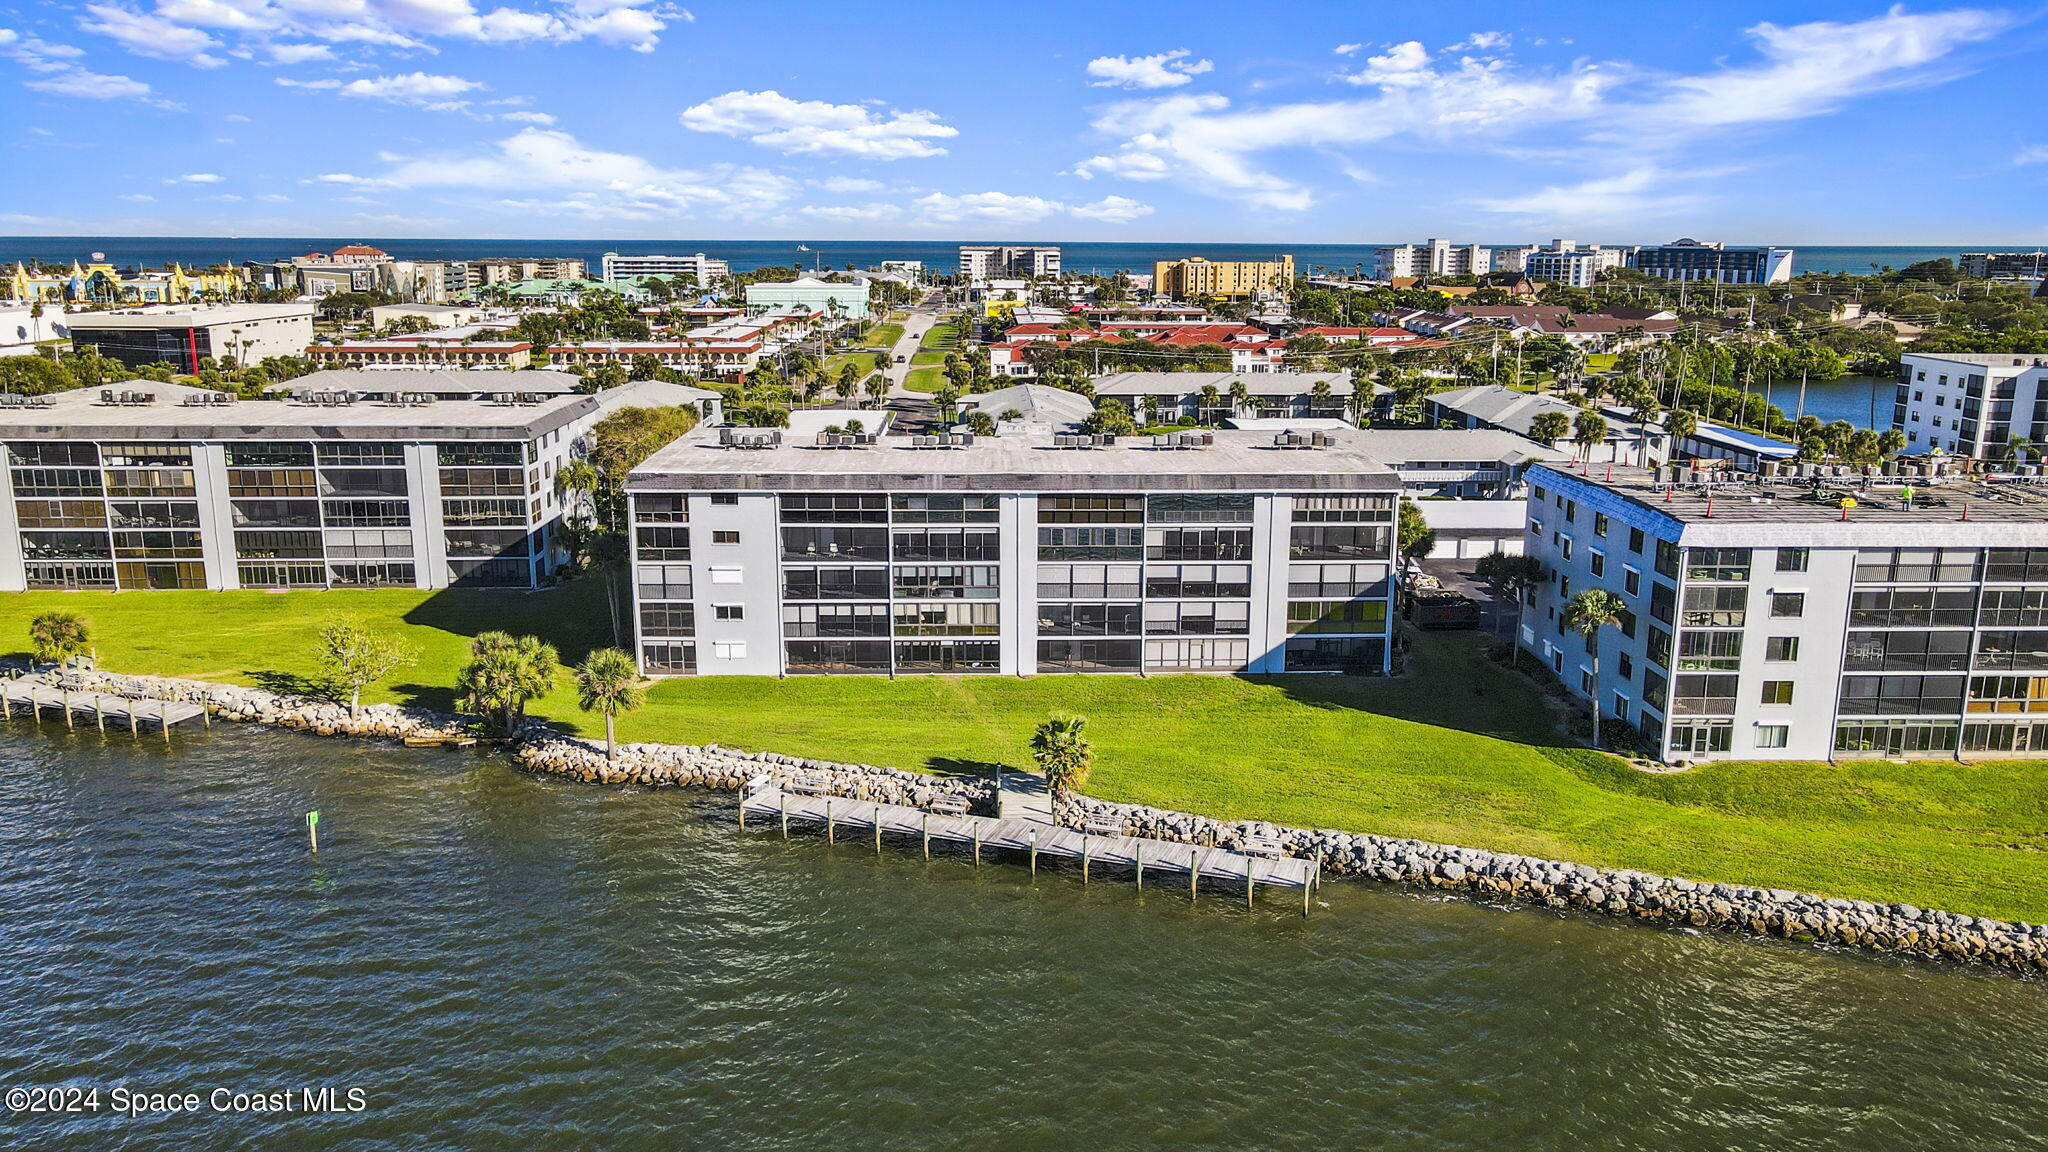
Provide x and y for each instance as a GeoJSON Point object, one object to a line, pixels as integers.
{"type": "Point", "coordinates": [499, 961]}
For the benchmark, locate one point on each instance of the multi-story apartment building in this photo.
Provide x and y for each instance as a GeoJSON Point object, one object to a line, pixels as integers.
{"type": "Point", "coordinates": [1197, 276]}
{"type": "Point", "coordinates": [1024, 553]}
{"type": "Point", "coordinates": [1971, 404]}
{"type": "Point", "coordinates": [721, 359]}
{"type": "Point", "coordinates": [834, 298]}
{"type": "Point", "coordinates": [984, 262]}
{"type": "Point", "coordinates": [706, 270]}
{"type": "Point", "coordinates": [1434, 258]}
{"type": "Point", "coordinates": [507, 270]}
{"type": "Point", "coordinates": [158, 486]}
{"type": "Point", "coordinates": [185, 334]}
{"type": "Point", "coordinates": [1688, 259]}
{"type": "Point", "coordinates": [1765, 622]}
{"type": "Point", "coordinates": [2005, 265]}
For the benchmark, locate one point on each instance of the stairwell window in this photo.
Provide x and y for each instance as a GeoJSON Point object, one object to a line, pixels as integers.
{"type": "Point", "coordinates": [1788, 605]}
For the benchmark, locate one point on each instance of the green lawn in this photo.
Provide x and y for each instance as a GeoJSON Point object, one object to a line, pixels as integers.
{"type": "Point", "coordinates": [941, 337]}
{"type": "Point", "coordinates": [927, 359]}
{"type": "Point", "coordinates": [1458, 751]}
{"type": "Point", "coordinates": [925, 379]}
{"type": "Point", "coordinates": [883, 335]}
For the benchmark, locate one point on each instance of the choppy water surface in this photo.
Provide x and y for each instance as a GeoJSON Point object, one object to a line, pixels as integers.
{"type": "Point", "coordinates": [501, 962]}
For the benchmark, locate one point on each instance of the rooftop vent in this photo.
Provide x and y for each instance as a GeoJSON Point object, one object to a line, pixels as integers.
{"type": "Point", "coordinates": [1184, 440]}
{"type": "Point", "coordinates": [324, 399]}
{"type": "Point", "coordinates": [523, 399]}
{"type": "Point", "coordinates": [733, 437]}
{"type": "Point", "coordinates": [13, 400]}
{"type": "Point", "coordinates": [943, 440]}
{"type": "Point", "coordinates": [846, 439]}
{"type": "Point", "coordinates": [126, 399]}
{"type": "Point", "coordinates": [1304, 440]}
{"type": "Point", "coordinates": [1083, 440]}
{"type": "Point", "coordinates": [207, 400]}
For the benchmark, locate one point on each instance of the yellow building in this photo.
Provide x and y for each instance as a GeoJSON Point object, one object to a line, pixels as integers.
{"type": "Point", "coordinates": [104, 283]}
{"type": "Point", "coordinates": [1196, 276]}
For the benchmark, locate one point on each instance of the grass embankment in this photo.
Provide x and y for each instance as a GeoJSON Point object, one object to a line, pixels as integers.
{"type": "Point", "coordinates": [883, 336]}
{"type": "Point", "coordinates": [1459, 751]}
{"type": "Point", "coordinates": [925, 379]}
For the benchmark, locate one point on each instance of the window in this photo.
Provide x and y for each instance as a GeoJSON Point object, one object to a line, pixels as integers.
{"type": "Point", "coordinates": [728, 611]}
{"type": "Point", "coordinates": [1788, 605]}
{"type": "Point", "coordinates": [1598, 561]}
{"type": "Point", "coordinates": [1635, 540]}
{"type": "Point", "coordinates": [729, 649]}
{"type": "Point", "coordinates": [1600, 526]}
{"type": "Point", "coordinates": [724, 536]}
{"type": "Point", "coordinates": [1722, 564]}
{"type": "Point", "coordinates": [1709, 651]}
{"type": "Point", "coordinates": [1711, 606]}
{"type": "Point", "coordinates": [1712, 695]}
{"type": "Point", "coordinates": [1776, 692]}
{"type": "Point", "coordinates": [1781, 649]}
{"type": "Point", "coordinates": [1772, 735]}
{"type": "Point", "coordinates": [1631, 581]}
{"type": "Point", "coordinates": [1790, 560]}
{"type": "Point", "coordinates": [725, 498]}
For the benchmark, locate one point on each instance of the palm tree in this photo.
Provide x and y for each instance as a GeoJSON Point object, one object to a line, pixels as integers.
{"type": "Point", "coordinates": [2016, 449]}
{"type": "Point", "coordinates": [1062, 752]}
{"type": "Point", "coordinates": [607, 681]}
{"type": "Point", "coordinates": [1550, 427]}
{"type": "Point", "coordinates": [1241, 397]}
{"type": "Point", "coordinates": [1589, 429]}
{"type": "Point", "coordinates": [1680, 424]}
{"type": "Point", "coordinates": [504, 674]}
{"type": "Point", "coordinates": [1587, 613]}
{"type": "Point", "coordinates": [57, 636]}
{"type": "Point", "coordinates": [1511, 577]}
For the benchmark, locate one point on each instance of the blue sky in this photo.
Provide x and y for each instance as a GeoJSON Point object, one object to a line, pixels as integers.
{"type": "Point", "coordinates": [1808, 123]}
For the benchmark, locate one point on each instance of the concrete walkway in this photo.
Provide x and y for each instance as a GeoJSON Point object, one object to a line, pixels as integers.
{"type": "Point", "coordinates": [1024, 796]}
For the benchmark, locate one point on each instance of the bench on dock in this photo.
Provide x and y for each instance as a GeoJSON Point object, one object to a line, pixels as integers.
{"type": "Point", "coordinates": [808, 785]}
{"type": "Point", "coordinates": [949, 806]}
{"type": "Point", "coordinates": [1104, 826]}
{"type": "Point", "coordinates": [1262, 846]}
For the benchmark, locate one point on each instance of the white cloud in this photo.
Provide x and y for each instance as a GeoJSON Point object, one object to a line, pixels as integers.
{"type": "Point", "coordinates": [2032, 154]}
{"type": "Point", "coordinates": [848, 184]}
{"type": "Point", "coordinates": [1813, 68]}
{"type": "Point", "coordinates": [852, 213]}
{"type": "Point", "coordinates": [147, 34]}
{"type": "Point", "coordinates": [197, 178]}
{"type": "Point", "coordinates": [1631, 198]}
{"type": "Point", "coordinates": [540, 118]}
{"type": "Point", "coordinates": [1494, 105]}
{"type": "Point", "coordinates": [1166, 70]}
{"type": "Point", "coordinates": [137, 197]}
{"type": "Point", "coordinates": [1482, 42]}
{"type": "Point", "coordinates": [294, 31]}
{"type": "Point", "coordinates": [1004, 208]}
{"type": "Point", "coordinates": [274, 198]}
{"type": "Point", "coordinates": [426, 90]}
{"type": "Point", "coordinates": [816, 128]}
{"type": "Point", "coordinates": [56, 70]}
{"type": "Point", "coordinates": [236, 118]}
{"type": "Point", "coordinates": [1348, 49]}
{"type": "Point", "coordinates": [561, 175]}
{"type": "Point", "coordinates": [1112, 210]}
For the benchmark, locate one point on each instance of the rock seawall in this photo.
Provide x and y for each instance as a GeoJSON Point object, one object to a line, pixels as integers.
{"type": "Point", "coordinates": [1499, 876]}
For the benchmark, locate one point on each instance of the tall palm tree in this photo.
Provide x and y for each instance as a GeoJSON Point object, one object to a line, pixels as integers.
{"type": "Point", "coordinates": [608, 682]}
{"type": "Point", "coordinates": [1062, 752]}
{"type": "Point", "coordinates": [1586, 614]}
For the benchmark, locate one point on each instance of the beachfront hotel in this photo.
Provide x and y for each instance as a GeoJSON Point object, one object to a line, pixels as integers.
{"type": "Point", "coordinates": [772, 552]}
{"type": "Point", "coordinates": [1807, 615]}
{"type": "Point", "coordinates": [148, 485]}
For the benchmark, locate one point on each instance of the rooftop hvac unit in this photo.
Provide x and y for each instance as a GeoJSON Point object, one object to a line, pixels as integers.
{"type": "Point", "coordinates": [1184, 440]}
{"type": "Point", "coordinates": [732, 437]}
{"type": "Point", "coordinates": [1083, 440]}
{"type": "Point", "coordinates": [943, 440]}
{"type": "Point", "coordinates": [845, 439]}
{"type": "Point", "coordinates": [1304, 440]}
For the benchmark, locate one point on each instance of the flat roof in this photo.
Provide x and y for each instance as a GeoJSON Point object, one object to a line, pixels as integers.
{"type": "Point", "coordinates": [1025, 460]}
{"type": "Point", "coordinates": [189, 315]}
{"type": "Point", "coordinates": [1183, 383]}
{"type": "Point", "coordinates": [1949, 511]}
{"type": "Point", "coordinates": [81, 415]}
{"type": "Point", "coordinates": [408, 378]}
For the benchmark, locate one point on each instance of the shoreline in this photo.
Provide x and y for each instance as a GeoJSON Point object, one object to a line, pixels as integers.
{"type": "Point", "coordinates": [538, 747]}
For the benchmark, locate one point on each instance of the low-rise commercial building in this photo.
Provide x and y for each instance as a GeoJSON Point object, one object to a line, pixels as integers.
{"type": "Point", "coordinates": [436, 315]}
{"type": "Point", "coordinates": [1025, 553]}
{"type": "Point", "coordinates": [185, 334]}
{"type": "Point", "coordinates": [709, 359]}
{"type": "Point", "coordinates": [1165, 397]}
{"type": "Point", "coordinates": [1775, 620]}
{"type": "Point", "coordinates": [1971, 404]}
{"type": "Point", "coordinates": [149, 485]}
{"type": "Point", "coordinates": [417, 352]}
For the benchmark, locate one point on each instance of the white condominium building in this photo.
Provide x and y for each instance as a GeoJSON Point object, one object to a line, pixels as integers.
{"type": "Point", "coordinates": [1972, 404]}
{"type": "Point", "coordinates": [756, 552]}
{"type": "Point", "coordinates": [706, 270]}
{"type": "Point", "coordinates": [979, 262]}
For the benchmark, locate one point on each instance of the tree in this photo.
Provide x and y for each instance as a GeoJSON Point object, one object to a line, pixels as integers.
{"type": "Point", "coordinates": [504, 674]}
{"type": "Point", "coordinates": [352, 658]}
{"type": "Point", "coordinates": [1550, 427]}
{"type": "Point", "coordinates": [1062, 752]}
{"type": "Point", "coordinates": [1587, 613]}
{"type": "Point", "coordinates": [1588, 430]}
{"type": "Point", "coordinates": [620, 441]}
{"type": "Point", "coordinates": [57, 636]}
{"type": "Point", "coordinates": [607, 681]}
{"type": "Point", "coordinates": [1511, 578]}
{"type": "Point", "coordinates": [981, 423]}
{"type": "Point", "coordinates": [1680, 424]}
{"type": "Point", "coordinates": [1418, 539]}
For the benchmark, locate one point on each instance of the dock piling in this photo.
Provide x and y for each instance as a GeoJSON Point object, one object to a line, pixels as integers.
{"type": "Point", "coordinates": [1034, 852]}
{"type": "Point", "coordinates": [782, 807]}
{"type": "Point", "coordinates": [99, 713]}
{"type": "Point", "coordinates": [830, 838]}
{"type": "Point", "coordinates": [1139, 852]}
{"type": "Point", "coordinates": [67, 708]}
{"type": "Point", "coordinates": [924, 826]}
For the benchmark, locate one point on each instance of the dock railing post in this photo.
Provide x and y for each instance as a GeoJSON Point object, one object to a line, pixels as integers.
{"type": "Point", "coordinates": [830, 836]}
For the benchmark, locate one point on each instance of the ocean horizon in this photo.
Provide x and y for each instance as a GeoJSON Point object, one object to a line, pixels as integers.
{"type": "Point", "coordinates": [1093, 256]}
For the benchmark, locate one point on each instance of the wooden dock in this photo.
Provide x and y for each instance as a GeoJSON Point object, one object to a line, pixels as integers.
{"type": "Point", "coordinates": [37, 697]}
{"type": "Point", "coordinates": [1164, 862]}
